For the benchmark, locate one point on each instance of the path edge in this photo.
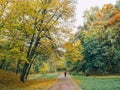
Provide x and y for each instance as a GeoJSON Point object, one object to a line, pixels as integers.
{"type": "Point", "coordinates": [78, 88]}
{"type": "Point", "coordinates": [51, 85]}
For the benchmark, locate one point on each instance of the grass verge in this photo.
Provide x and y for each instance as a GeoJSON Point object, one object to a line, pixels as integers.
{"type": "Point", "coordinates": [98, 82]}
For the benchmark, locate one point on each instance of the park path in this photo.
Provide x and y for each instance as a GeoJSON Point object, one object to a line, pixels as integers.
{"type": "Point", "coordinates": [64, 84]}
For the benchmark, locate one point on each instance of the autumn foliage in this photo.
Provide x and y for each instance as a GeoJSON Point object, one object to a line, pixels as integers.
{"type": "Point", "coordinates": [99, 38]}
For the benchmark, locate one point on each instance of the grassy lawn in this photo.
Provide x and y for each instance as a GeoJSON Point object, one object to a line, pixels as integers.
{"type": "Point", "coordinates": [98, 82]}
{"type": "Point", "coordinates": [46, 81]}
{"type": "Point", "coordinates": [44, 76]}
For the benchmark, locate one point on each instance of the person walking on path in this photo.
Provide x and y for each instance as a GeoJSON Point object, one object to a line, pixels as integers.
{"type": "Point", "coordinates": [65, 73]}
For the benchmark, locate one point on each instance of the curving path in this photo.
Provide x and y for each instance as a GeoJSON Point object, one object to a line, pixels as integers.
{"type": "Point", "coordinates": [64, 84]}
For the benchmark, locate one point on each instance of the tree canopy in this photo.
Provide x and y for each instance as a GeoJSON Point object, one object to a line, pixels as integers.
{"type": "Point", "coordinates": [99, 38]}
{"type": "Point", "coordinates": [28, 32]}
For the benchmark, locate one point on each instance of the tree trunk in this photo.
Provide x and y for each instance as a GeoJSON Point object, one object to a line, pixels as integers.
{"type": "Point", "coordinates": [17, 68]}
{"type": "Point", "coordinates": [29, 68]}
{"type": "Point", "coordinates": [55, 67]}
{"type": "Point", "coordinates": [7, 66]}
{"type": "Point", "coordinates": [2, 64]}
{"type": "Point", "coordinates": [24, 72]}
{"type": "Point", "coordinates": [31, 43]}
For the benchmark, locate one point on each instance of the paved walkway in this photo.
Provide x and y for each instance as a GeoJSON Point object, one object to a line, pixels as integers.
{"type": "Point", "coordinates": [64, 84]}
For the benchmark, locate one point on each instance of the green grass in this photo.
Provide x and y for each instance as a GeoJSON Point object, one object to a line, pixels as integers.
{"type": "Point", "coordinates": [98, 83]}
{"type": "Point", "coordinates": [46, 76]}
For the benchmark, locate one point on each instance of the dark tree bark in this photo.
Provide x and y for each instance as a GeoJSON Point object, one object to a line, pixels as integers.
{"type": "Point", "coordinates": [31, 43]}
{"type": "Point", "coordinates": [2, 64]}
{"type": "Point", "coordinates": [18, 65]}
{"type": "Point", "coordinates": [29, 56]}
{"type": "Point", "coordinates": [24, 72]}
{"type": "Point", "coordinates": [29, 68]}
{"type": "Point", "coordinates": [7, 66]}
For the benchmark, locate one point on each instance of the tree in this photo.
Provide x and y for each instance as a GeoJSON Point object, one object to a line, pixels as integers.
{"type": "Point", "coordinates": [26, 24]}
{"type": "Point", "coordinates": [99, 37]}
{"type": "Point", "coordinates": [73, 53]}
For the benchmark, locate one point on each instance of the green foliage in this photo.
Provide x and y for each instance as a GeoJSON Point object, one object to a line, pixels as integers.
{"type": "Point", "coordinates": [99, 38]}
{"type": "Point", "coordinates": [117, 4]}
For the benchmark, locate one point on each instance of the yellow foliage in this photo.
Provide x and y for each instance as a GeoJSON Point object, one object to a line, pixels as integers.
{"type": "Point", "coordinates": [44, 68]}
{"type": "Point", "coordinates": [1, 40]}
{"type": "Point", "coordinates": [107, 6]}
{"type": "Point", "coordinates": [74, 50]}
{"type": "Point", "coordinates": [68, 46]}
{"type": "Point", "coordinates": [15, 50]}
{"type": "Point", "coordinates": [61, 64]}
{"type": "Point", "coordinates": [76, 43]}
{"type": "Point", "coordinates": [11, 80]}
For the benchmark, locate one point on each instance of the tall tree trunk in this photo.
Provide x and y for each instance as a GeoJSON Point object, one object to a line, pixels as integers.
{"type": "Point", "coordinates": [17, 68]}
{"type": "Point", "coordinates": [30, 54]}
{"type": "Point", "coordinates": [7, 66]}
{"type": "Point", "coordinates": [24, 72]}
{"type": "Point", "coordinates": [29, 68]}
{"type": "Point", "coordinates": [55, 67]}
{"type": "Point", "coordinates": [31, 43]}
{"type": "Point", "coordinates": [2, 64]}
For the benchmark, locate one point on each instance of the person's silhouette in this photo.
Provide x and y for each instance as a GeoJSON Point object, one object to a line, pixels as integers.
{"type": "Point", "coordinates": [65, 73]}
